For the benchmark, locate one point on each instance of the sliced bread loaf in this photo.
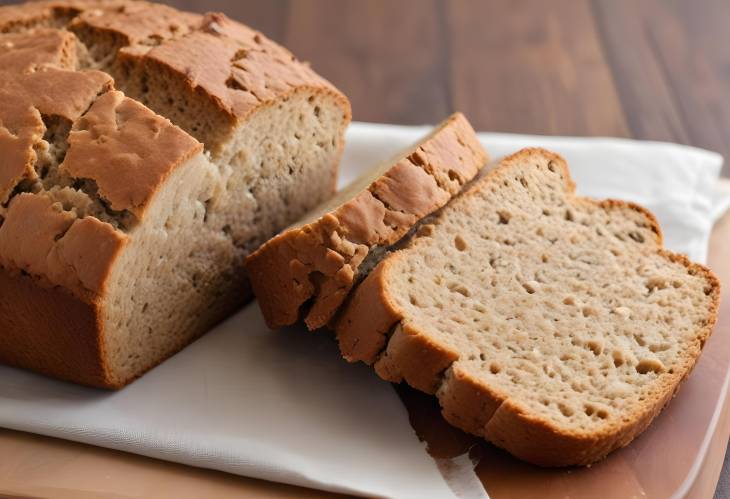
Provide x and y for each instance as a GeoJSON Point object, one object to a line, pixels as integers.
{"type": "Point", "coordinates": [269, 123]}
{"type": "Point", "coordinates": [312, 266]}
{"type": "Point", "coordinates": [122, 237]}
{"type": "Point", "coordinates": [555, 326]}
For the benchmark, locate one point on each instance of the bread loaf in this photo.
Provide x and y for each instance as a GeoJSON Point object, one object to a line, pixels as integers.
{"type": "Point", "coordinates": [310, 268]}
{"type": "Point", "coordinates": [555, 326]}
{"type": "Point", "coordinates": [125, 217]}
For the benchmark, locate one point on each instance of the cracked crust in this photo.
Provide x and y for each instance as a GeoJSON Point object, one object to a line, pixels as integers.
{"type": "Point", "coordinates": [134, 158]}
{"type": "Point", "coordinates": [320, 261]}
{"type": "Point", "coordinates": [48, 13]}
{"type": "Point", "coordinates": [87, 175]}
{"type": "Point", "coordinates": [375, 329]}
{"type": "Point", "coordinates": [24, 99]}
{"type": "Point", "coordinates": [235, 69]}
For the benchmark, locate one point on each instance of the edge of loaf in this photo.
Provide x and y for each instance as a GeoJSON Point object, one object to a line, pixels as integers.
{"type": "Point", "coordinates": [309, 269]}
{"type": "Point", "coordinates": [81, 298]}
{"type": "Point", "coordinates": [380, 328]}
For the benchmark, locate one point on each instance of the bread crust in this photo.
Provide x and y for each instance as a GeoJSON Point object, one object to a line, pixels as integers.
{"type": "Point", "coordinates": [21, 53]}
{"type": "Point", "coordinates": [55, 260]}
{"type": "Point", "coordinates": [217, 59]}
{"type": "Point", "coordinates": [134, 159]}
{"type": "Point", "coordinates": [24, 99]}
{"type": "Point", "coordinates": [49, 330]}
{"type": "Point", "coordinates": [48, 13]}
{"type": "Point", "coordinates": [476, 407]}
{"type": "Point", "coordinates": [318, 262]}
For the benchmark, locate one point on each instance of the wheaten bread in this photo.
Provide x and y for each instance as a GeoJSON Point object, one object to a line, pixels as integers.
{"type": "Point", "coordinates": [122, 237]}
{"type": "Point", "coordinates": [555, 326]}
{"type": "Point", "coordinates": [268, 121]}
{"type": "Point", "coordinates": [315, 263]}
{"type": "Point", "coordinates": [48, 13]}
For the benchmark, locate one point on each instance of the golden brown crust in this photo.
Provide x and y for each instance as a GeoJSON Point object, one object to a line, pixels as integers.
{"type": "Point", "coordinates": [363, 340]}
{"type": "Point", "coordinates": [21, 53]}
{"type": "Point", "coordinates": [236, 69]}
{"type": "Point", "coordinates": [127, 150]}
{"type": "Point", "coordinates": [319, 261]}
{"type": "Point", "coordinates": [466, 402]}
{"type": "Point", "coordinates": [119, 154]}
{"type": "Point", "coordinates": [24, 100]}
{"type": "Point", "coordinates": [477, 408]}
{"type": "Point", "coordinates": [47, 329]}
{"type": "Point", "coordinates": [415, 358]}
{"type": "Point", "coordinates": [137, 23]}
{"type": "Point", "coordinates": [58, 248]}
{"type": "Point", "coordinates": [238, 66]}
{"type": "Point", "coordinates": [48, 13]}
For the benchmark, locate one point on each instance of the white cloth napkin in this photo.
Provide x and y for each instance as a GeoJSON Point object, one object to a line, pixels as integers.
{"type": "Point", "coordinates": [283, 406]}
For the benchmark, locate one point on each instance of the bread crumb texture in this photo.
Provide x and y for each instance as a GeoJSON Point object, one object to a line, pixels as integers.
{"type": "Point", "coordinates": [309, 269]}
{"type": "Point", "coordinates": [146, 152]}
{"type": "Point", "coordinates": [555, 326]}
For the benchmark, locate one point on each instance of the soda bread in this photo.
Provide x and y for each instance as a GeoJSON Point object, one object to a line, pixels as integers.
{"type": "Point", "coordinates": [555, 326]}
{"type": "Point", "coordinates": [123, 232]}
{"type": "Point", "coordinates": [310, 268]}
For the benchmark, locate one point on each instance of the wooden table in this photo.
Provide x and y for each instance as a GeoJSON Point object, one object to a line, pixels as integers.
{"type": "Point", "coordinates": [650, 69]}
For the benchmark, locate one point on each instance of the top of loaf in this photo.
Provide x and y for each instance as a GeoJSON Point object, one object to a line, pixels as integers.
{"type": "Point", "coordinates": [22, 53]}
{"type": "Point", "coordinates": [33, 89]}
{"type": "Point", "coordinates": [228, 60]}
{"type": "Point", "coordinates": [221, 68]}
{"type": "Point", "coordinates": [137, 23]}
{"type": "Point", "coordinates": [81, 158]}
{"type": "Point", "coordinates": [107, 138]}
{"type": "Point", "coordinates": [47, 13]}
{"type": "Point", "coordinates": [233, 64]}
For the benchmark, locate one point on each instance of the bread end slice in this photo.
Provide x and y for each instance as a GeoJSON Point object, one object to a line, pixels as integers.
{"type": "Point", "coordinates": [314, 264]}
{"type": "Point", "coordinates": [554, 326]}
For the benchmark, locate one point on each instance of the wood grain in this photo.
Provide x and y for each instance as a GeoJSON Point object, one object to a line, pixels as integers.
{"type": "Point", "coordinates": [391, 70]}
{"type": "Point", "coordinates": [532, 66]}
{"type": "Point", "coordinates": [655, 69]}
{"type": "Point", "coordinates": [671, 72]}
{"type": "Point", "coordinates": [48, 467]}
{"type": "Point", "coordinates": [652, 112]}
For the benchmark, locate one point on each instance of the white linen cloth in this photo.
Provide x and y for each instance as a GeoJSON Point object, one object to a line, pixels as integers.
{"type": "Point", "coordinates": [283, 405]}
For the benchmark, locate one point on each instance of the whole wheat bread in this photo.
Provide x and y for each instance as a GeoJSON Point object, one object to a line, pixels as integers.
{"type": "Point", "coordinates": [314, 264]}
{"type": "Point", "coordinates": [122, 237]}
{"type": "Point", "coordinates": [555, 326]}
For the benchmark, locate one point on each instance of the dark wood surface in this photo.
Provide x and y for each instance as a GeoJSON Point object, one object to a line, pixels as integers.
{"type": "Point", "coordinates": [649, 69]}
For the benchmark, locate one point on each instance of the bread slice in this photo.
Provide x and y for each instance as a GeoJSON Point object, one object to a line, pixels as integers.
{"type": "Point", "coordinates": [555, 326]}
{"type": "Point", "coordinates": [122, 237]}
{"type": "Point", "coordinates": [311, 267]}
